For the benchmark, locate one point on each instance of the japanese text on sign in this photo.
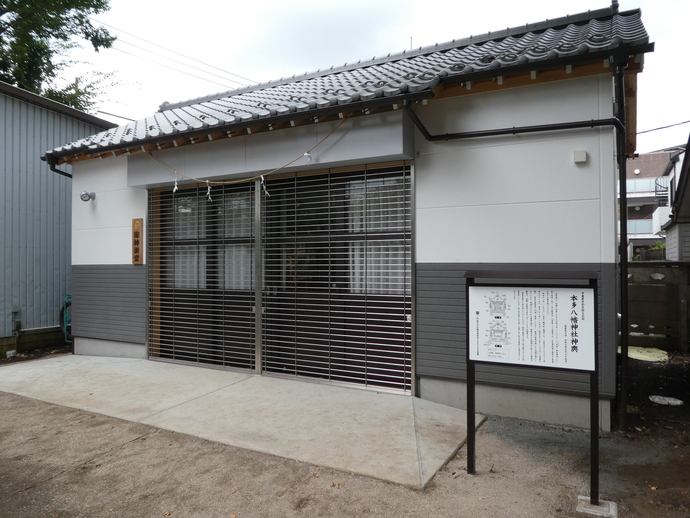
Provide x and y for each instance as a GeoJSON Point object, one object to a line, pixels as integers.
{"type": "Point", "coordinates": [545, 327]}
{"type": "Point", "coordinates": [137, 241]}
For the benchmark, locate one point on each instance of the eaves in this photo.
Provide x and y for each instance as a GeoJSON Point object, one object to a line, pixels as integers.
{"type": "Point", "coordinates": [226, 131]}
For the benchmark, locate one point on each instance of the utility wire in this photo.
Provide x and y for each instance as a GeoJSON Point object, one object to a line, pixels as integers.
{"type": "Point", "coordinates": [171, 68]}
{"type": "Point", "coordinates": [180, 62]}
{"type": "Point", "coordinates": [118, 116]}
{"type": "Point", "coordinates": [663, 127]}
{"type": "Point", "coordinates": [174, 52]}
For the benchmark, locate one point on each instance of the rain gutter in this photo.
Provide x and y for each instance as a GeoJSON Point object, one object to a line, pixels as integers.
{"type": "Point", "coordinates": [52, 162]}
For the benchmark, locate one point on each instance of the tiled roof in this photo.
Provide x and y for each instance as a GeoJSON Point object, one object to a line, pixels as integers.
{"type": "Point", "coordinates": [391, 79]}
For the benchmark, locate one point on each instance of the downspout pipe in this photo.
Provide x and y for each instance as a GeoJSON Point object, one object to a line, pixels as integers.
{"type": "Point", "coordinates": [619, 87]}
{"type": "Point", "coordinates": [51, 164]}
{"type": "Point", "coordinates": [516, 130]}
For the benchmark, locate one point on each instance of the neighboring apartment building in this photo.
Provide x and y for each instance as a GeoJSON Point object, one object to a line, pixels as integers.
{"type": "Point", "coordinates": [35, 217]}
{"type": "Point", "coordinates": [649, 186]}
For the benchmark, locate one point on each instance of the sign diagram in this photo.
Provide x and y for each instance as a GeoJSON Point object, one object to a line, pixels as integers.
{"type": "Point", "coordinates": [538, 326]}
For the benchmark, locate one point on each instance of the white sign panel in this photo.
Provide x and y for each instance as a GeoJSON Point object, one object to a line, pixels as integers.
{"type": "Point", "coordinates": [543, 327]}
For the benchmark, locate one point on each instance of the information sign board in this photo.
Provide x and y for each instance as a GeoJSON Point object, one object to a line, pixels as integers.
{"type": "Point", "coordinates": [537, 326]}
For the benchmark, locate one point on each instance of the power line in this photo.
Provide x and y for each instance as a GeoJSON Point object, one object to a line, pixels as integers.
{"type": "Point", "coordinates": [118, 116]}
{"type": "Point", "coordinates": [663, 127]}
{"type": "Point", "coordinates": [174, 52]}
{"type": "Point", "coordinates": [180, 62]}
{"type": "Point", "coordinates": [171, 68]}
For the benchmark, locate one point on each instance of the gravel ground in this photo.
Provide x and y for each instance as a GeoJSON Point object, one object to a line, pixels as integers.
{"type": "Point", "coordinates": [61, 462]}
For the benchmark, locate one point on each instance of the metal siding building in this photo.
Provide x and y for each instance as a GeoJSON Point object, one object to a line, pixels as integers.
{"type": "Point", "coordinates": [35, 227]}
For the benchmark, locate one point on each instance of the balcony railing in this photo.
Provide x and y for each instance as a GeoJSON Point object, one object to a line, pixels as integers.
{"type": "Point", "coordinates": [639, 185]}
{"type": "Point", "coordinates": [640, 226]}
{"type": "Point", "coordinates": [643, 187]}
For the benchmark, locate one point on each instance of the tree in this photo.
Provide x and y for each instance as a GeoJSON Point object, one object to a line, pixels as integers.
{"type": "Point", "coordinates": [35, 33]}
{"type": "Point", "coordinates": [82, 93]}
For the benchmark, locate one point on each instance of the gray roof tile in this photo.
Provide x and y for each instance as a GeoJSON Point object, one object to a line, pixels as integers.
{"type": "Point", "coordinates": [408, 73]}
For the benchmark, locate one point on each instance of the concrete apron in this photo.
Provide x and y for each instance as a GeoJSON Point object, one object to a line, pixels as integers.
{"type": "Point", "coordinates": [392, 437]}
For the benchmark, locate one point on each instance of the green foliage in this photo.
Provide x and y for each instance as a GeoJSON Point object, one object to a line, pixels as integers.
{"type": "Point", "coordinates": [659, 245]}
{"type": "Point", "coordinates": [33, 36]}
{"type": "Point", "coordinates": [82, 93]}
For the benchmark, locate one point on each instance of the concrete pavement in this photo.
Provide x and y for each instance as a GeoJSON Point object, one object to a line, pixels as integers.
{"type": "Point", "coordinates": [392, 437]}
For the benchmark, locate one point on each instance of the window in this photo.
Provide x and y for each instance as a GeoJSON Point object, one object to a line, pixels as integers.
{"type": "Point", "coordinates": [238, 253]}
{"type": "Point", "coordinates": [336, 248]}
{"type": "Point", "coordinates": [337, 296]}
{"type": "Point", "coordinates": [211, 245]}
{"type": "Point", "coordinates": [348, 233]}
{"type": "Point", "coordinates": [201, 277]}
{"type": "Point", "coordinates": [379, 206]}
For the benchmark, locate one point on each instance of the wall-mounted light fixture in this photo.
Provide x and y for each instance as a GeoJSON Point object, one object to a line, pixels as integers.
{"type": "Point", "coordinates": [86, 196]}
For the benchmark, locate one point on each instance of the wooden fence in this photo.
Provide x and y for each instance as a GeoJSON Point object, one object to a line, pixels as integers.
{"type": "Point", "coordinates": [658, 305]}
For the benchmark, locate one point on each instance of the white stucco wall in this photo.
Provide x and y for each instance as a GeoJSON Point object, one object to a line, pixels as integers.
{"type": "Point", "coordinates": [660, 218]}
{"type": "Point", "coordinates": [102, 228]}
{"type": "Point", "coordinates": [504, 199]}
{"type": "Point", "coordinates": [359, 140]}
{"type": "Point", "coordinates": [518, 198]}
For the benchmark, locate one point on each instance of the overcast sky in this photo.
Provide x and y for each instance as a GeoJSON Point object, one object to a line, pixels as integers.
{"type": "Point", "coordinates": [263, 40]}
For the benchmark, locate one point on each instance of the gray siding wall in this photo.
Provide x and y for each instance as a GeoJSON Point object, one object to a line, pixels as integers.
{"type": "Point", "coordinates": [683, 241]}
{"type": "Point", "coordinates": [35, 215]}
{"type": "Point", "coordinates": [441, 329]}
{"type": "Point", "coordinates": [109, 302]}
{"type": "Point", "coordinates": [672, 243]}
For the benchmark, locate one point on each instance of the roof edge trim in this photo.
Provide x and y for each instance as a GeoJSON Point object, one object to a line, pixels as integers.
{"type": "Point", "coordinates": [310, 114]}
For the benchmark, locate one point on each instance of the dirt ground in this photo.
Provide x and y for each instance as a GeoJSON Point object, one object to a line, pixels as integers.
{"type": "Point", "coordinates": [60, 462]}
{"type": "Point", "coordinates": [36, 354]}
{"type": "Point", "coordinates": [662, 484]}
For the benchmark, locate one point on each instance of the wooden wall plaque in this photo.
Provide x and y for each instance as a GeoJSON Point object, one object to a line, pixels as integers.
{"type": "Point", "coordinates": [138, 241]}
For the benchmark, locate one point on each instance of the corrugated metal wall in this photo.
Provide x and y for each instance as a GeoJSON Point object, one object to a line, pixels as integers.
{"type": "Point", "coordinates": [35, 217]}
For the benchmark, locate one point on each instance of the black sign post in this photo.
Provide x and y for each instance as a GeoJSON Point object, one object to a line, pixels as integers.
{"type": "Point", "coordinates": [471, 421]}
{"type": "Point", "coordinates": [493, 336]}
